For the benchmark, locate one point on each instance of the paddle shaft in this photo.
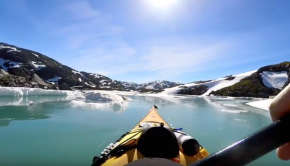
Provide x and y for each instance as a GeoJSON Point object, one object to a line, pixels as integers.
{"type": "Point", "coordinates": [251, 147]}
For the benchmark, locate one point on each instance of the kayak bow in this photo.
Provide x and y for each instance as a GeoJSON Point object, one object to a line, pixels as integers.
{"type": "Point", "coordinates": [127, 149]}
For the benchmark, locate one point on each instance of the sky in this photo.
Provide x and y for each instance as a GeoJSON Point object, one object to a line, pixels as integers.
{"type": "Point", "coordinates": [146, 40]}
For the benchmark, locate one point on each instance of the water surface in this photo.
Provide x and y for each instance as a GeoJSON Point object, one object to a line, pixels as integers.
{"type": "Point", "coordinates": [55, 131]}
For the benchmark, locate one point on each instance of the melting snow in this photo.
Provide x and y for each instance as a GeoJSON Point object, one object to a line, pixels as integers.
{"type": "Point", "coordinates": [274, 79]}
{"type": "Point", "coordinates": [80, 80]}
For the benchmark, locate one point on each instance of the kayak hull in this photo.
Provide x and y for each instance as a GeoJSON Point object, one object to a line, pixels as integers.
{"type": "Point", "coordinates": [134, 154]}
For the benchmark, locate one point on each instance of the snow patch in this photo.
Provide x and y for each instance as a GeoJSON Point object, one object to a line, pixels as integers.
{"type": "Point", "coordinates": [80, 80]}
{"type": "Point", "coordinates": [37, 65]}
{"type": "Point", "coordinates": [9, 51]}
{"type": "Point", "coordinates": [212, 85]}
{"type": "Point", "coordinates": [7, 47]}
{"type": "Point", "coordinates": [78, 72]}
{"type": "Point", "coordinates": [274, 79]}
{"type": "Point", "coordinates": [96, 75]}
{"type": "Point", "coordinates": [54, 79]}
{"type": "Point", "coordinates": [11, 64]}
{"type": "Point", "coordinates": [35, 55]}
{"type": "Point", "coordinates": [90, 85]}
{"type": "Point", "coordinates": [14, 64]}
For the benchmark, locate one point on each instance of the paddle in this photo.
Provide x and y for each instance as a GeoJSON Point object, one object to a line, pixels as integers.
{"type": "Point", "coordinates": [251, 147]}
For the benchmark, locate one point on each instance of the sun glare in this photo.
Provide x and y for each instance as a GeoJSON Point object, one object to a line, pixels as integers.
{"type": "Point", "coordinates": [161, 3]}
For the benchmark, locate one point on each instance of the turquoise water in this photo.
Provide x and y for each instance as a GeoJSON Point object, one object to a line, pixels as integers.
{"type": "Point", "coordinates": [53, 131]}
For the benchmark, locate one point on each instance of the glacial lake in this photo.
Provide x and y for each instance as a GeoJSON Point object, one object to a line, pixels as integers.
{"type": "Point", "coordinates": [55, 131]}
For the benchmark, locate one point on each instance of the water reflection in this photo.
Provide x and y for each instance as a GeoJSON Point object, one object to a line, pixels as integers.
{"type": "Point", "coordinates": [8, 114]}
{"type": "Point", "coordinates": [30, 100]}
{"type": "Point", "coordinates": [26, 108]}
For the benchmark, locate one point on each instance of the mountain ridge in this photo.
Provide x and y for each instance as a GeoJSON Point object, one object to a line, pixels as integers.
{"type": "Point", "coordinates": [20, 67]}
{"type": "Point", "coordinates": [27, 68]}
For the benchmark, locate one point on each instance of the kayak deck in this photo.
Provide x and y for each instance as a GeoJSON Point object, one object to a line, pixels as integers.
{"type": "Point", "coordinates": [133, 154]}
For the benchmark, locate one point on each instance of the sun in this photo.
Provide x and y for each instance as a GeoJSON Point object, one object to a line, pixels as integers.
{"type": "Point", "coordinates": [161, 3]}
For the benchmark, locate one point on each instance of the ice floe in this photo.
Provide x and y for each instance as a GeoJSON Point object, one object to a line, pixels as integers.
{"type": "Point", "coordinates": [21, 91]}
{"type": "Point", "coordinates": [262, 104]}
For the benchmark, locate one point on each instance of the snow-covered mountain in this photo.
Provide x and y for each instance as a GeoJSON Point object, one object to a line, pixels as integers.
{"type": "Point", "coordinates": [154, 85]}
{"type": "Point", "coordinates": [264, 82]}
{"type": "Point", "coordinates": [20, 67]}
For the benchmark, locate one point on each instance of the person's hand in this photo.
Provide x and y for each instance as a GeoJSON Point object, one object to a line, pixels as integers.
{"type": "Point", "coordinates": [279, 107]}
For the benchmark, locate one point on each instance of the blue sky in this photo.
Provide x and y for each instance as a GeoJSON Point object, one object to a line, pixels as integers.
{"type": "Point", "coordinates": [140, 41]}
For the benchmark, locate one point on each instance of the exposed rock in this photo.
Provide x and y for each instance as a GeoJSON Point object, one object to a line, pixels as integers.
{"type": "Point", "coordinates": [253, 85]}
{"type": "Point", "coordinates": [64, 86]}
{"type": "Point", "coordinates": [38, 80]}
{"type": "Point", "coordinates": [3, 73]}
{"type": "Point", "coordinates": [196, 90]}
{"type": "Point", "coordinates": [11, 84]}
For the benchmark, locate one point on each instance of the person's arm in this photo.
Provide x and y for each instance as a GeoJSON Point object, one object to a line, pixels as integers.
{"type": "Point", "coordinates": [279, 107]}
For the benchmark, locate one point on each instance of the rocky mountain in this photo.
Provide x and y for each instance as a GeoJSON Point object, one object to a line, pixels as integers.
{"type": "Point", "coordinates": [154, 85]}
{"type": "Point", "coordinates": [267, 81]}
{"type": "Point", "coordinates": [264, 82]}
{"type": "Point", "coordinates": [20, 67]}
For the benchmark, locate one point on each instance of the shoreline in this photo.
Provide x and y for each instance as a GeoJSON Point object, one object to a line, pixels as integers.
{"type": "Point", "coordinates": [260, 103]}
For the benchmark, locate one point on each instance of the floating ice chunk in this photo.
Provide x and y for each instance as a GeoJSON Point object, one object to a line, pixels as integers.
{"type": "Point", "coordinates": [21, 91]}
{"type": "Point", "coordinates": [103, 96]}
{"type": "Point", "coordinates": [97, 100]}
{"type": "Point", "coordinates": [262, 104]}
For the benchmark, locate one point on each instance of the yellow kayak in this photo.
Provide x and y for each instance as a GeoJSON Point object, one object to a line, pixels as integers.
{"type": "Point", "coordinates": [152, 137]}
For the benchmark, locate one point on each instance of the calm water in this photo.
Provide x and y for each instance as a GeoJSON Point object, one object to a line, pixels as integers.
{"type": "Point", "coordinates": [50, 131]}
